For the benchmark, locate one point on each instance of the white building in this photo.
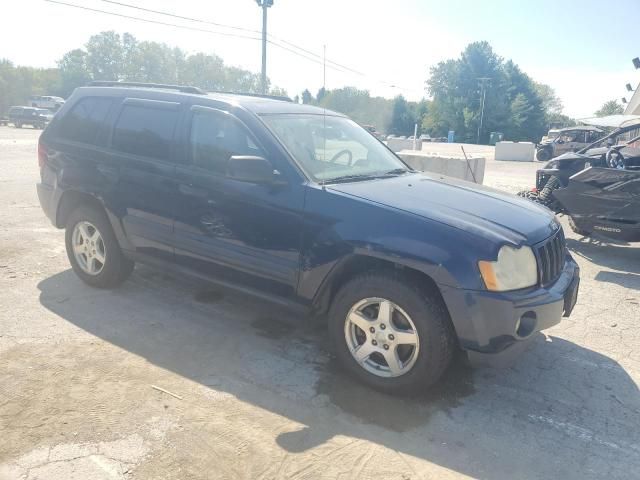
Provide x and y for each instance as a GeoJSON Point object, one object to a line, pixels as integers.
{"type": "Point", "coordinates": [633, 107]}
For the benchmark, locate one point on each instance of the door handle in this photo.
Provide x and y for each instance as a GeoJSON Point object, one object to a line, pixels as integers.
{"type": "Point", "coordinates": [189, 189]}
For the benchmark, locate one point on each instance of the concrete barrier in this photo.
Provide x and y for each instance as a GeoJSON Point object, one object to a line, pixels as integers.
{"type": "Point", "coordinates": [515, 151]}
{"type": "Point", "coordinates": [398, 144]}
{"type": "Point", "coordinates": [457, 167]}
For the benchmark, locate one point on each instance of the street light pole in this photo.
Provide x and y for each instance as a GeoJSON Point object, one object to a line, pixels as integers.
{"type": "Point", "coordinates": [483, 88]}
{"type": "Point", "coordinates": [264, 4]}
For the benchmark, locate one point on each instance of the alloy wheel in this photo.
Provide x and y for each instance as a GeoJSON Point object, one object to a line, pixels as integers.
{"type": "Point", "coordinates": [88, 248]}
{"type": "Point", "coordinates": [381, 337]}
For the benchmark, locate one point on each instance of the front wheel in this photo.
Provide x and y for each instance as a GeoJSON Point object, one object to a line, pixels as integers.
{"type": "Point", "coordinates": [391, 334]}
{"type": "Point", "coordinates": [93, 250]}
{"type": "Point", "coordinates": [17, 125]}
{"type": "Point", "coordinates": [543, 154]}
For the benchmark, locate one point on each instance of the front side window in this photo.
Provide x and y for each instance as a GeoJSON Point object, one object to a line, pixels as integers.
{"type": "Point", "coordinates": [145, 131]}
{"type": "Point", "coordinates": [85, 119]}
{"type": "Point", "coordinates": [330, 148]}
{"type": "Point", "coordinates": [215, 137]}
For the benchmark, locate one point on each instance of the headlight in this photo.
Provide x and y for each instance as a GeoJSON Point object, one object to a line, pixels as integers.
{"type": "Point", "coordinates": [515, 268]}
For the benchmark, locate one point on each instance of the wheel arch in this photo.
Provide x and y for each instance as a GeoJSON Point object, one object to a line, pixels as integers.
{"type": "Point", "coordinates": [358, 264]}
{"type": "Point", "coordinates": [72, 199]}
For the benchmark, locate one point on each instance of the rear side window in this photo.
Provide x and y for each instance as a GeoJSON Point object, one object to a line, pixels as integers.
{"type": "Point", "coordinates": [215, 137]}
{"type": "Point", "coordinates": [145, 131]}
{"type": "Point", "coordinates": [85, 120]}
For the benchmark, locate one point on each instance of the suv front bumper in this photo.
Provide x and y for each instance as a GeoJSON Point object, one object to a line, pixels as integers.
{"type": "Point", "coordinates": [493, 327]}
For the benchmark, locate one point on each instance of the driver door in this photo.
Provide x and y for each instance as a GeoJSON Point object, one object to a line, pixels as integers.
{"type": "Point", "coordinates": [235, 231]}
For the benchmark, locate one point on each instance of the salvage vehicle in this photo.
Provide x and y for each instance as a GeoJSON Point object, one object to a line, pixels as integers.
{"type": "Point", "coordinates": [598, 188]}
{"type": "Point", "coordinates": [570, 139]}
{"type": "Point", "coordinates": [248, 193]}
{"type": "Point", "coordinates": [551, 134]}
{"type": "Point", "coordinates": [36, 117]}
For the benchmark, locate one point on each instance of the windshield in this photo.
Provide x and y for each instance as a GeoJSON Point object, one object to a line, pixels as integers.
{"type": "Point", "coordinates": [613, 135]}
{"type": "Point", "coordinates": [330, 148]}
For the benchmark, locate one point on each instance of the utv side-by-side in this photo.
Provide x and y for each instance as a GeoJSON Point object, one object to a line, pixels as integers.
{"type": "Point", "coordinates": [598, 187]}
{"type": "Point", "coordinates": [570, 139]}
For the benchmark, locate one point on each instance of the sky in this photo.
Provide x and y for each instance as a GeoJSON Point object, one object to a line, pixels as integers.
{"type": "Point", "coordinates": [582, 48]}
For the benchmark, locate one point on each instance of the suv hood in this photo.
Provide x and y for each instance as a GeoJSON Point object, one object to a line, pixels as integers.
{"type": "Point", "coordinates": [480, 210]}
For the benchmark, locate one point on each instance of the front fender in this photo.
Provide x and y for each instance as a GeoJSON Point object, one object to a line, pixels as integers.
{"type": "Point", "coordinates": [340, 227]}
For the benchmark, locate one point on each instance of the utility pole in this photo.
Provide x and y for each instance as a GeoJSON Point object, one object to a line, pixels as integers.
{"type": "Point", "coordinates": [264, 4]}
{"type": "Point", "coordinates": [324, 67]}
{"type": "Point", "coordinates": [483, 94]}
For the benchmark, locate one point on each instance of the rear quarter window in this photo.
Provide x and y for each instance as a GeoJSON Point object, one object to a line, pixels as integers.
{"type": "Point", "coordinates": [145, 131]}
{"type": "Point", "coordinates": [85, 120]}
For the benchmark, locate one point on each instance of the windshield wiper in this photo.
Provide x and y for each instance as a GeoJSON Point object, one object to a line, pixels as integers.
{"type": "Point", "coordinates": [366, 176]}
{"type": "Point", "coordinates": [349, 178]}
{"type": "Point", "coordinates": [396, 171]}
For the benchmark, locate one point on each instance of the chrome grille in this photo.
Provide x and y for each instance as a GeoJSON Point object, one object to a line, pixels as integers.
{"type": "Point", "coordinates": [551, 257]}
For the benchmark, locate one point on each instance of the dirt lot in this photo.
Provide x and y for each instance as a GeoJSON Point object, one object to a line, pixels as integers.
{"type": "Point", "coordinates": [260, 396]}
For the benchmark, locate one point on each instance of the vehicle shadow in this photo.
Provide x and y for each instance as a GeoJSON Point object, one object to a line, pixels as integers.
{"type": "Point", "coordinates": [623, 257]}
{"type": "Point", "coordinates": [560, 403]}
{"type": "Point", "coordinates": [626, 280]}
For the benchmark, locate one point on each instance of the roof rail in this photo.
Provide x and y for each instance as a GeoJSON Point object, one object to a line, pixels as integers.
{"type": "Point", "coordinates": [257, 95]}
{"type": "Point", "coordinates": [180, 88]}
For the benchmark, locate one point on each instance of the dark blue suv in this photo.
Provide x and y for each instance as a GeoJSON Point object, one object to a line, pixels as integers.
{"type": "Point", "coordinates": [302, 206]}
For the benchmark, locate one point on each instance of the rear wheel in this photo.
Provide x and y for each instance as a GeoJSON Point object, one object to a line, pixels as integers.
{"type": "Point", "coordinates": [93, 249]}
{"type": "Point", "coordinates": [574, 226]}
{"type": "Point", "coordinates": [390, 334]}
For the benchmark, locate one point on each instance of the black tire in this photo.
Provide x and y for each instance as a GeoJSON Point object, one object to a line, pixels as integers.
{"type": "Point", "coordinates": [17, 125]}
{"type": "Point", "coordinates": [528, 194]}
{"type": "Point", "coordinates": [117, 267]}
{"type": "Point", "coordinates": [576, 228]}
{"type": "Point", "coordinates": [543, 154]}
{"type": "Point", "coordinates": [544, 197]}
{"type": "Point", "coordinates": [428, 314]}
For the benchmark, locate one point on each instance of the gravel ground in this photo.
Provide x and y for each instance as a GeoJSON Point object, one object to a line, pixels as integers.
{"type": "Point", "coordinates": [251, 392]}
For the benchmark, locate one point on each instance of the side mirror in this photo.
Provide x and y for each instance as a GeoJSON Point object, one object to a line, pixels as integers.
{"type": "Point", "coordinates": [560, 142]}
{"type": "Point", "coordinates": [252, 169]}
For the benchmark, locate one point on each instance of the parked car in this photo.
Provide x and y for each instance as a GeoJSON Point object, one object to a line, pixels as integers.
{"type": "Point", "coordinates": [4, 120]}
{"type": "Point", "coordinates": [247, 193]}
{"type": "Point", "coordinates": [598, 188]}
{"type": "Point", "coordinates": [372, 130]}
{"type": "Point", "coordinates": [36, 117]}
{"type": "Point", "coordinates": [570, 139]}
{"type": "Point", "coordinates": [46, 101]}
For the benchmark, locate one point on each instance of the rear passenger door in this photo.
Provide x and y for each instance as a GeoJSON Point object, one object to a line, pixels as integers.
{"type": "Point", "coordinates": [143, 148]}
{"type": "Point", "coordinates": [238, 232]}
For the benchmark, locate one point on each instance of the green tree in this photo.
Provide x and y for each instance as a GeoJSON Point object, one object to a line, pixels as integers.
{"type": "Point", "coordinates": [402, 118]}
{"type": "Point", "coordinates": [307, 97]}
{"type": "Point", "coordinates": [321, 94]}
{"type": "Point", "coordinates": [17, 84]}
{"type": "Point", "coordinates": [73, 71]}
{"type": "Point", "coordinates": [512, 104]}
{"type": "Point", "coordinates": [612, 107]}
{"type": "Point", "coordinates": [550, 101]}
